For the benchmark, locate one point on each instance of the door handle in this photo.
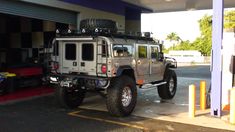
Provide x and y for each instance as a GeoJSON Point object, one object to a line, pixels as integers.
{"type": "Point", "coordinates": [74, 63]}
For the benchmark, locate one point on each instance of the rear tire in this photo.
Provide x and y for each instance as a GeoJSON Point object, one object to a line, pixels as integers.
{"type": "Point", "coordinates": [168, 90]}
{"type": "Point", "coordinates": [69, 97]}
{"type": "Point", "coordinates": [121, 96]}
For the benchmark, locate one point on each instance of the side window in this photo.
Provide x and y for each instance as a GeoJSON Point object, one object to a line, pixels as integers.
{"type": "Point", "coordinates": [117, 50]}
{"type": "Point", "coordinates": [142, 51]}
{"type": "Point", "coordinates": [56, 49]}
{"type": "Point", "coordinates": [122, 50]}
{"type": "Point", "coordinates": [87, 52]}
{"type": "Point", "coordinates": [70, 51]}
{"type": "Point", "coordinates": [127, 50]}
{"type": "Point", "coordinates": [154, 53]}
{"type": "Point", "coordinates": [104, 49]}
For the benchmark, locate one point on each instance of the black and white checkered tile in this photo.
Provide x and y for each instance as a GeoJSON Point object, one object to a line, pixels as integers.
{"type": "Point", "coordinates": [26, 33]}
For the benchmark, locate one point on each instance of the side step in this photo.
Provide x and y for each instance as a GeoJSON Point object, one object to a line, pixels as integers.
{"type": "Point", "coordinates": [150, 86]}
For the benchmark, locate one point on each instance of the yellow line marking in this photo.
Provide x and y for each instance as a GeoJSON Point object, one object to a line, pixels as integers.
{"type": "Point", "coordinates": [105, 120]}
{"type": "Point", "coordinates": [74, 113]}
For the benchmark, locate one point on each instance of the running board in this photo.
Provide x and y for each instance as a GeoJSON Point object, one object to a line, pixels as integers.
{"type": "Point", "coordinates": [149, 86]}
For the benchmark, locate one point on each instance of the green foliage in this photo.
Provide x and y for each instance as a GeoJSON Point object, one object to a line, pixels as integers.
{"type": "Point", "coordinates": [229, 19]}
{"type": "Point", "coordinates": [173, 37]}
{"type": "Point", "coordinates": [184, 45]}
{"type": "Point", "coordinates": [204, 42]}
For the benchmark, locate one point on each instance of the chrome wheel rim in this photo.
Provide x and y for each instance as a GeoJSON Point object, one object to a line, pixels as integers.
{"type": "Point", "coordinates": [171, 86]}
{"type": "Point", "coordinates": [126, 96]}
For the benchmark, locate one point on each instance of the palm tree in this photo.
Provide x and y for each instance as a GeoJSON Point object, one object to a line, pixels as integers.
{"type": "Point", "coordinates": [173, 37]}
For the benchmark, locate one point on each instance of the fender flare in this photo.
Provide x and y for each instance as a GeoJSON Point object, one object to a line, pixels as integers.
{"type": "Point", "coordinates": [166, 69]}
{"type": "Point", "coordinates": [121, 69]}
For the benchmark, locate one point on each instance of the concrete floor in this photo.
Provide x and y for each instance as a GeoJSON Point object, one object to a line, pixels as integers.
{"type": "Point", "coordinates": [150, 105]}
{"type": "Point", "coordinates": [151, 113]}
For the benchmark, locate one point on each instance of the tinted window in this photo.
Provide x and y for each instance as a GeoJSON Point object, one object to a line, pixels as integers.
{"type": "Point", "coordinates": [56, 49]}
{"type": "Point", "coordinates": [104, 49]}
{"type": "Point", "coordinates": [87, 52]}
{"type": "Point", "coordinates": [154, 53]}
{"type": "Point", "coordinates": [122, 50]}
{"type": "Point", "coordinates": [70, 52]}
{"type": "Point", "coordinates": [142, 51]}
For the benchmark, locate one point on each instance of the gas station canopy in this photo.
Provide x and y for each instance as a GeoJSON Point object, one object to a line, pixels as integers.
{"type": "Point", "coordinates": [177, 5]}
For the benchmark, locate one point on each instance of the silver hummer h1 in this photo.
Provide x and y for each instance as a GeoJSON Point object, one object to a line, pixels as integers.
{"type": "Point", "coordinates": [111, 64]}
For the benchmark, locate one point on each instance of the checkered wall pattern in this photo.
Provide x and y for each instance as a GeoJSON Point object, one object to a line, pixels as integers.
{"type": "Point", "coordinates": [22, 32]}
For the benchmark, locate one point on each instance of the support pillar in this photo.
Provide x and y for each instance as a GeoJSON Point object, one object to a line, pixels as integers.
{"type": "Point", "coordinates": [78, 20]}
{"type": "Point", "coordinates": [216, 69]}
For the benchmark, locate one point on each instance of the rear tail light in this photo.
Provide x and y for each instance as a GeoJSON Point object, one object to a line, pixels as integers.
{"type": "Point", "coordinates": [104, 69]}
{"type": "Point", "coordinates": [55, 65]}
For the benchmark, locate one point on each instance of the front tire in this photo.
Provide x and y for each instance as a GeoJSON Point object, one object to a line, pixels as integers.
{"type": "Point", "coordinates": [168, 90]}
{"type": "Point", "coordinates": [69, 97]}
{"type": "Point", "coordinates": [121, 96]}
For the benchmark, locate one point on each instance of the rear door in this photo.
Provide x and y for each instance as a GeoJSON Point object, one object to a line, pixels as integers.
{"type": "Point", "coordinates": [87, 57]}
{"type": "Point", "coordinates": [70, 61]}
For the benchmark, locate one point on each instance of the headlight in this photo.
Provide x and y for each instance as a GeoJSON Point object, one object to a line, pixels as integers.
{"type": "Point", "coordinates": [54, 79]}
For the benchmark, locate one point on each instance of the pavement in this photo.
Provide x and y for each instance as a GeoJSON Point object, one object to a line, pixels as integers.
{"type": "Point", "coordinates": [149, 104]}
{"type": "Point", "coordinates": [151, 113]}
{"type": "Point", "coordinates": [43, 115]}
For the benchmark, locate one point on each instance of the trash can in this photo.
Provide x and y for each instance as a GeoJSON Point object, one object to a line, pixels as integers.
{"type": "Point", "coordinates": [8, 82]}
{"type": "Point", "coordinates": [3, 85]}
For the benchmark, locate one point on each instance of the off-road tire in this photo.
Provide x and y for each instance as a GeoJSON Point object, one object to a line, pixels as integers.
{"type": "Point", "coordinates": [102, 24]}
{"type": "Point", "coordinates": [69, 97]}
{"type": "Point", "coordinates": [115, 94]}
{"type": "Point", "coordinates": [164, 91]}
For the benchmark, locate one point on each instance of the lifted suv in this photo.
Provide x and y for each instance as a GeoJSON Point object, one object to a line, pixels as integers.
{"type": "Point", "coordinates": [111, 64]}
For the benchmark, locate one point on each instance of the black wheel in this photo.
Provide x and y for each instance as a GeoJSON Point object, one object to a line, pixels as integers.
{"type": "Point", "coordinates": [69, 97]}
{"type": "Point", "coordinates": [102, 24]}
{"type": "Point", "coordinates": [121, 96]}
{"type": "Point", "coordinates": [168, 90]}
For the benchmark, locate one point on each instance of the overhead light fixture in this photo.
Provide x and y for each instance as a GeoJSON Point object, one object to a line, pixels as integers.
{"type": "Point", "coordinates": [168, 0]}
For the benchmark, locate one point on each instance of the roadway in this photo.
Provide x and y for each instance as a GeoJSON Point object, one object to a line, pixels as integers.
{"type": "Point", "coordinates": [44, 115]}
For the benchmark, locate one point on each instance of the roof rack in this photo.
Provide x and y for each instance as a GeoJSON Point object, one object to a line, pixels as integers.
{"type": "Point", "coordinates": [100, 32]}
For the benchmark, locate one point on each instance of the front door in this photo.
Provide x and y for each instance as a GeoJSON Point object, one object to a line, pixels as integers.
{"type": "Point", "coordinates": [155, 66]}
{"type": "Point", "coordinates": [142, 61]}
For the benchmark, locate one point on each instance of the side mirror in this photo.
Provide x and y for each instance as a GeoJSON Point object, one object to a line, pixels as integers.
{"type": "Point", "coordinates": [171, 61]}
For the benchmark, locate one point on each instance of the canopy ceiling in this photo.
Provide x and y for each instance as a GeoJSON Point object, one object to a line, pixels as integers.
{"type": "Point", "coordinates": [177, 5]}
